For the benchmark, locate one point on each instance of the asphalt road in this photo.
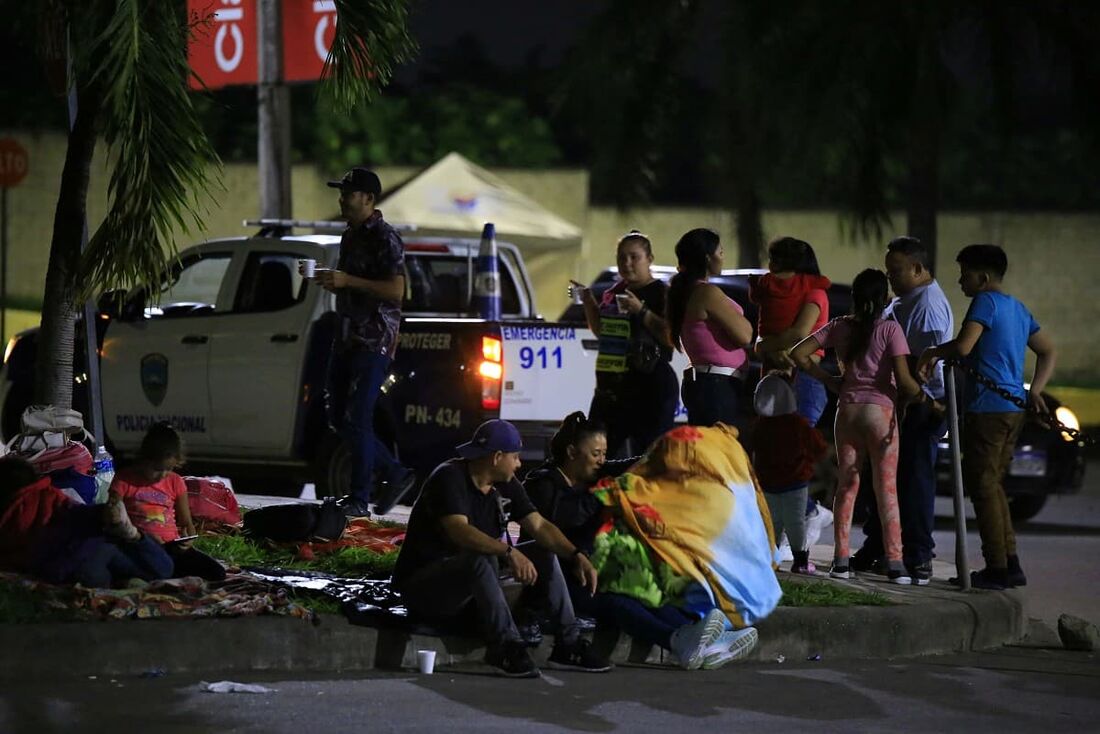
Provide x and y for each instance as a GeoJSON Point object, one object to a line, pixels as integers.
{"type": "Point", "coordinates": [1059, 549]}
{"type": "Point", "coordinates": [1012, 690]}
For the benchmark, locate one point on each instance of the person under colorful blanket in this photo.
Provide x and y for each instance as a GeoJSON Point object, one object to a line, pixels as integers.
{"type": "Point", "coordinates": [155, 497]}
{"type": "Point", "coordinates": [692, 628]}
{"type": "Point", "coordinates": [45, 534]}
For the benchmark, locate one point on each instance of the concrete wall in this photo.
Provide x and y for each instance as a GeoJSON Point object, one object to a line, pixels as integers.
{"type": "Point", "coordinates": [1054, 258]}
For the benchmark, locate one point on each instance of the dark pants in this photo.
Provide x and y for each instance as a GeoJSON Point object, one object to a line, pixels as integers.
{"type": "Point", "coordinates": [192, 562]}
{"type": "Point", "coordinates": [637, 410]}
{"type": "Point", "coordinates": [109, 563]}
{"type": "Point", "coordinates": [441, 590]}
{"type": "Point", "coordinates": [354, 382]}
{"type": "Point", "coordinates": [988, 442]}
{"type": "Point", "coordinates": [918, 448]}
{"type": "Point", "coordinates": [710, 399]}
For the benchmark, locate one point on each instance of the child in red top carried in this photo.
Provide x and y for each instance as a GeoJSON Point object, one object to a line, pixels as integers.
{"type": "Point", "coordinates": [786, 450]}
{"type": "Point", "coordinates": [156, 500]}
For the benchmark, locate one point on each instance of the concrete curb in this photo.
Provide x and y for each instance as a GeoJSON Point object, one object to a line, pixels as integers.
{"type": "Point", "coordinates": [935, 620]}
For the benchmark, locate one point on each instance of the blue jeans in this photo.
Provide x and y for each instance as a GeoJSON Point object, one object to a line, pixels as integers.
{"type": "Point", "coordinates": [918, 449]}
{"type": "Point", "coordinates": [811, 397]}
{"type": "Point", "coordinates": [354, 382]}
{"type": "Point", "coordinates": [110, 562]}
{"type": "Point", "coordinates": [710, 399]}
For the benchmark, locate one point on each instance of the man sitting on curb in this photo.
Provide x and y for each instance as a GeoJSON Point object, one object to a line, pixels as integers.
{"type": "Point", "coordinates": [457, 538]}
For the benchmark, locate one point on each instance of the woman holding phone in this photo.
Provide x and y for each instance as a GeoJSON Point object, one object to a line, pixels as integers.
{"type": "Point", "coordinates": [636, 390]}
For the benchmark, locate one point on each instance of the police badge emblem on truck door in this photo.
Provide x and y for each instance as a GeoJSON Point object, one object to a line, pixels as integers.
{"type": "Point", "coordinates": [154, 377]}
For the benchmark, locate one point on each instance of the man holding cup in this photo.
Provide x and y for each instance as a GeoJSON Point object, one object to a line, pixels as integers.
{"type": "Point", "coordinates": [369, 284]}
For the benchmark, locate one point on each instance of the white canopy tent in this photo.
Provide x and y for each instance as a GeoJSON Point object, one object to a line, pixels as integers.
{"type": "Point", "coordinates": [454, 196]}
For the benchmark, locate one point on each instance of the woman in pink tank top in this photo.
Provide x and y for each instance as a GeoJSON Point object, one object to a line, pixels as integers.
{"type": "Point", "coordinates": [710, 328]}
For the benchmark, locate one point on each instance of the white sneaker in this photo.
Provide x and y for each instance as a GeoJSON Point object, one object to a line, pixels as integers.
{"type": "Point", "coordinates": [820, 518]}
{"type": "Point", "coordinates": [731, 645]}
{"type": "Point", "coordinates": [690, 642]}
{"type": "Point", "coordinates": [785, 553]}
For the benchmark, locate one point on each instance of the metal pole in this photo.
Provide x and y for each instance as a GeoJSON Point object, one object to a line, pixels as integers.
{"type": "Point", "coordinates": [273, 145]}
{"type": "Point", "coordinates": [91, 339]}
{"type": "Point", "coordinates": [962, 565]}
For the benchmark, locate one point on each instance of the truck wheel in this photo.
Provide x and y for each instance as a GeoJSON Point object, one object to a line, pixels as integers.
{"type": "Point", "coordinates": [1026, 506]}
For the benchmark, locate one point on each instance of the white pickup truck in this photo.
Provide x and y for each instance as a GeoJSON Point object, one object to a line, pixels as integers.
{"type": "Point", "coordinates": [234, 353]}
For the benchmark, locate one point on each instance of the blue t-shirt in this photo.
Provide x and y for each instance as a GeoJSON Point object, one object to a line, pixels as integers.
{"type": "Point", "coordinates": [999, 353]}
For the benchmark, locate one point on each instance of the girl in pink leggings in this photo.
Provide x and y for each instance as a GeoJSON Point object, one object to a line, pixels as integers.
{"type": "Point", "coordinates": [875, 387]}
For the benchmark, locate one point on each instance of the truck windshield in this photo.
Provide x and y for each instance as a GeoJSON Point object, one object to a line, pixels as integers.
{"type": "Point", "coordinates": [441, 284]}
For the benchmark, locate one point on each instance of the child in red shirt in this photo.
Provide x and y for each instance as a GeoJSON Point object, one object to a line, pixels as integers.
{"type": "Point", "coordinates": [156, 500]}
{"type": "Point", "coordinates": [786, 450]}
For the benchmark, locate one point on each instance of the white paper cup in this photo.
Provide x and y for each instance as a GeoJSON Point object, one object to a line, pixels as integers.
{"type": "Point", "coordinates": [620, 301]}
{"type": "Point", "coordinates": [425, 661]}
{"type": "Point", "coordinates": [309, 268]}
{"type": "Point", "coordinates": [576, 294]}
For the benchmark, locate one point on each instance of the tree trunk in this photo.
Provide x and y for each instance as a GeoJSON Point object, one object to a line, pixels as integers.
{"type": "Point", "coordinates": [56, 339]}
{"type": "Point", "coordinates": [923, 186]}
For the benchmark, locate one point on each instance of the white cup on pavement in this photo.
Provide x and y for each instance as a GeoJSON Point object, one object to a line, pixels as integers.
{"type": "Point", "coordinates": [425, 661]}
{"type": "Point", "coordinates": [309, 268]}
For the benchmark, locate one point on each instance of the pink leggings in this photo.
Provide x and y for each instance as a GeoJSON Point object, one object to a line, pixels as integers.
{"type": "Point", "coordinates": [864, 429]}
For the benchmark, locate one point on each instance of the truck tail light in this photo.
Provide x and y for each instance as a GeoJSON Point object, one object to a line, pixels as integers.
{"type": "Point", "coordinates": [491, 370]}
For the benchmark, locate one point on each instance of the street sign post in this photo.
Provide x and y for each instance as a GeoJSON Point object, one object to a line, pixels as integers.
{"type": "Point", "coordinates": [14, 165]}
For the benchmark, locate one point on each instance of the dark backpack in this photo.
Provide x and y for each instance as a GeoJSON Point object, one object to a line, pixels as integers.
{"type": "Point", "coordinates": [297, 522]}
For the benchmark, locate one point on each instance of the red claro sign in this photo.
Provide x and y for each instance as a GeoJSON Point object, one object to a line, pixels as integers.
{"type": "Point", "coordinates": [13, 163]}
{"type": "Point", "coordinates": [223, 50]}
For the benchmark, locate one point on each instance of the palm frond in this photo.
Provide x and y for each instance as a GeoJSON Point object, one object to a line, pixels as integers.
{"type": "Point", "coordinates": [372, 37]}
{"type": "Point", "coordinates": [164, 166]}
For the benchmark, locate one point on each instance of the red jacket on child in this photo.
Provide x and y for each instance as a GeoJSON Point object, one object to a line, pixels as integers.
{"type": "Point", "coordinates": [786, 449]}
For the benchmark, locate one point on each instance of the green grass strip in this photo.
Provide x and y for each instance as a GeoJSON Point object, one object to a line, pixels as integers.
{"type": "Point", "coordinates": [824, 594]}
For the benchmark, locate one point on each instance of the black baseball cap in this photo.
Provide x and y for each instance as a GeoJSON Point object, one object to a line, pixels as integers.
{"type": "Point", "coordinates": [359, 179]}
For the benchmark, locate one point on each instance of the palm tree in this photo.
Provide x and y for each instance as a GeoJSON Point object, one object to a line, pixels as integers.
{"type": "Point", "coordinates": [128, 72]}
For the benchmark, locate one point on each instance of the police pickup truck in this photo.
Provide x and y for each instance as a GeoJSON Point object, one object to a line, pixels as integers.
{"type": "Point", "coordinates": [234, 353]}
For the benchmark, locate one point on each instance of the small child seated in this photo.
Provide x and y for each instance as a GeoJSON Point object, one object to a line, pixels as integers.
{"type": "Point", "coordinates": [786, 450]}
{"type": "Point", "coordinates": [155, 497]}
{"type": "Point", "coordinates": [45, 534]}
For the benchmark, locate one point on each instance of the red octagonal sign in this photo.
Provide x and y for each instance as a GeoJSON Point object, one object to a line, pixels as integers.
{"type": "Point", "coordinates": [13, 163]}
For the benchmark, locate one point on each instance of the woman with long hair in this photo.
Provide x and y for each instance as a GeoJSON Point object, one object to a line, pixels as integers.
{"type": "Point", "coordinates": [876, 385]}
{"type": "Point", "coordinates": [635, 386]}
{"type": "Point", "coordinates": [710, 328]}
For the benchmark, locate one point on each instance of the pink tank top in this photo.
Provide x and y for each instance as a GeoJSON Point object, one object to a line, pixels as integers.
{"type": "Point", "coordinates": [706, 342]}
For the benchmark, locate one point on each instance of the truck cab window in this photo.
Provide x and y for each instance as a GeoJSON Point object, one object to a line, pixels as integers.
{"type": "Point", "coordinates": [192, 289]}
{"type": "Point", "coordinates": [270, 282]}
{"type": "Point", "coordinates": [440, 284]}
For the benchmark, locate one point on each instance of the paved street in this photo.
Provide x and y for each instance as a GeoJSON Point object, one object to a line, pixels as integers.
{"type": "Point", "coordinates": [1013, 690]}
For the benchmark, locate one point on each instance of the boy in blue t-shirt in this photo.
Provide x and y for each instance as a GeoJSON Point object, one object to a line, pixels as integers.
{"type": "Point", "coordinates": [995, 333]}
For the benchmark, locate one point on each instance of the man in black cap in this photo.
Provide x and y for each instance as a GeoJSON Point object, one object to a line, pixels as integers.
{"type": "Point", "coordinates": [457, 541]}
{"type": "Point", "coordinates": [369, 283]}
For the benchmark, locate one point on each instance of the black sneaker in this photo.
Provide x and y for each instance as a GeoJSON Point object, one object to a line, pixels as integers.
{"type": "Point", "coordinates": [1016, 575]}
{"type": "Point", "coordinates": [577, 656]}
{"type": "Point", "coordinates": [921, 573]}
{"type": "Point", "coordinates": [995, 579]}
{"type": "Point", "coordinates": [866, 564]}
{"type": "Point", "coordinates": [390, 493]}
{"type": "Point", "coordinates": [354, 508]}
{"type": "Point", "coordinates": [511, 660]}
{"type": "Point", "coordinates": [898, 576]}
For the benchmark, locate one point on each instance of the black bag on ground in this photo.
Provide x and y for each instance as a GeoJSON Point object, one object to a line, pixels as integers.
{"type": "Point", "coordinates": [297, 522]}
